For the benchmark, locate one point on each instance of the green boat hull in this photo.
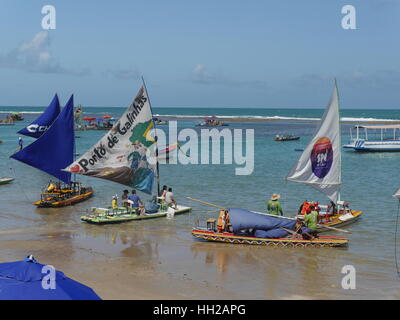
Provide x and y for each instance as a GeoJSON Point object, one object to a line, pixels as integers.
{"type": "Point", "coordinates": [127, 217]}
{"type": "Point", "coordinates": [5, 180]}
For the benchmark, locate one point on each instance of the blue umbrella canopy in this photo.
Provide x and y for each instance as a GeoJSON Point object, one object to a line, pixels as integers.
{"type": "Point", "coordinates": [30, 280]}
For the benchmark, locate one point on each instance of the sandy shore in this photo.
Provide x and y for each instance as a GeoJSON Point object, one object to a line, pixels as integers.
{"type": "Point", "coordinates": [113, 274]}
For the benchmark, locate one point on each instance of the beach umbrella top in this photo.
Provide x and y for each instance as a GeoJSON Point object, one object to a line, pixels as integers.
{"type": "Point", "coordinates": [29, 280]}
{"type": "Point", "coordinates": [89, 118]}
{"type": "Point", "coordinates": [106, 116]}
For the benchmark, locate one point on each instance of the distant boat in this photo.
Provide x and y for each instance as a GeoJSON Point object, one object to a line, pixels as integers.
{"type": "Point", "coordinates": [378, 141]}
{"type": "Point", "coordinates": [16, 116]}
{"type": "Point", "coordinates": [5, 180]}
{"type": "Point", "coordinates": [159, 121]}
{"type": "Point", "coordinates": [211, 122]}
{"type": "Point", "coordinates": [92, 123]}
{"type": "Point", "coordinates": [288, 137]}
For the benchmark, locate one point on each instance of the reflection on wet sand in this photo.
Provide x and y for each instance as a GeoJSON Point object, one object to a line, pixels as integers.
{"type": "Point", "coordinates": [317, 274]}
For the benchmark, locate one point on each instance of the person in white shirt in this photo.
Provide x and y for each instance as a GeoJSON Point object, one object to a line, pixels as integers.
{"type": "Point", "coordinates": [169, 199]}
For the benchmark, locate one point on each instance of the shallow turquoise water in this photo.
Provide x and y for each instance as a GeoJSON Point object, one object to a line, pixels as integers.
{"type": "Point", "coordinates": [369, 180]}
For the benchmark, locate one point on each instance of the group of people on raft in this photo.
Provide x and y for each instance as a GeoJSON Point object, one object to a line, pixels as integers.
{"type": "Point", "coordinates": [134, 202]}
{"type": "Point", "coordinates": [306, 223]}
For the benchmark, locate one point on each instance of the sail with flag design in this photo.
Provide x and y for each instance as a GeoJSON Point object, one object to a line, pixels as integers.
{"type": "Point", "coordinates": [54, 149]}
{"type": "Point", "coordinates": [320, 164]}
{"type": "Point", "coordinates": [46, 119]}
{"type": "Point", "coordinates": [124, 154]}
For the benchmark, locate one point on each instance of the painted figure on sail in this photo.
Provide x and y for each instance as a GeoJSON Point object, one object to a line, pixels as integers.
{"type": "Point", "coordinates": [122, 154]}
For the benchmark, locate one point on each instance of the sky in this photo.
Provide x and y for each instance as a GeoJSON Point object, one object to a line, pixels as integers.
{"type": "Point", "coordinates": [225, 53]}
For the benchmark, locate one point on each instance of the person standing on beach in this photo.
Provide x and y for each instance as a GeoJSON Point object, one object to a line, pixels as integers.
{"type": "Point", "coordinates": [273, 206]}
{"type": "Point", "coordinates": [20, 143]}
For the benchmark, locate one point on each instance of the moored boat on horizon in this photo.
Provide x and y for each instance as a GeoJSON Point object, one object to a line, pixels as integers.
{"type": "Point", "coordinates": [5, 180]}
{"type": "Point", "coordinates": [380, 142]}
{"type": "Point", "coordinates": [289, 137]}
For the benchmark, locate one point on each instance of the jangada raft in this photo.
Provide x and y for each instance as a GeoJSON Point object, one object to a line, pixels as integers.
{"type": "Point", "coordinates": [319, 167]}
{"type": "Point", "coordinates": [52, 152]}
{"type": "Point", "coordinates": [128, 155]}
{"type": "Point", "coordinates": [109, 215]}
{"type": "Point", "coordinates": [247, 227]}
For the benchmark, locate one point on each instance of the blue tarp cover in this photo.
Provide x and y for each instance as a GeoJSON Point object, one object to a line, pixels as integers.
{"type": "Point", "coordinates": [265, 226]}
{"type": "Point", "coordinates": [22, 280]}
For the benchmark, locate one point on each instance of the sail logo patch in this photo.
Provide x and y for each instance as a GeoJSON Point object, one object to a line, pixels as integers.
{"type": "Point", "coordinates": [322, 157]}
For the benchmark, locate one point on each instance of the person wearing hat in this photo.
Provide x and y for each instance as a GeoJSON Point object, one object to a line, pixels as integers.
{"type": "Point", "coordinates": [274, 207]}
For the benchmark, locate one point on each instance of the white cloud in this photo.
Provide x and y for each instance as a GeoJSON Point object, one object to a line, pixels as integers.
{"type": "Point", "coordinates": [35, 56]}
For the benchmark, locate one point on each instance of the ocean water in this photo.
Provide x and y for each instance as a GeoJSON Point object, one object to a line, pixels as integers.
{"type": "Point", "coordinates": [369, 180]}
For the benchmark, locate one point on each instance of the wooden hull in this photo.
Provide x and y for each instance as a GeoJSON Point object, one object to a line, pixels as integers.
{"type": "Point", "coordinates": [285, 242]}
{"type": "Point", "coordinates": [47, 203]}
{"type": "Point", "coordinates": [127, 217]}
{"type": "Point", "coordinates": [338, 223]}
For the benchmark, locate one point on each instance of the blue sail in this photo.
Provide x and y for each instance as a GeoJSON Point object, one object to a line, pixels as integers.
{"type": "Point", "coordinates": [46, 119]}
{"type": "Point", "coordinates": [54, 150]}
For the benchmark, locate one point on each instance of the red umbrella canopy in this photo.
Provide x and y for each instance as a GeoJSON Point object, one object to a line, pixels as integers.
{"type": "Point", "coordinates": [89, 118]}
{"type": "Point", "coordinates": [106, 116]}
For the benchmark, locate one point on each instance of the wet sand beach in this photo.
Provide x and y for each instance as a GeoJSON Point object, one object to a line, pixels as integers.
{"type": "Point", "coordinates": [159, 259]}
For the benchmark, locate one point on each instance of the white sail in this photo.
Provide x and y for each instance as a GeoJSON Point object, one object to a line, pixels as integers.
{"type": "Point", "coordinates": [320, 164]}
{"type": "Point", "coordinates": [121, 155]}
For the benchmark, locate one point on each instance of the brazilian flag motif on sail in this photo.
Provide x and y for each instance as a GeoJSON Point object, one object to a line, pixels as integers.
{"type": "Point", "coordinates": [125, 154]}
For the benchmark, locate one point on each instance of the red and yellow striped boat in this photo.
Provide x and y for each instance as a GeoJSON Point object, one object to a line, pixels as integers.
{"type": "Point", "coordinates": [62, 199]}
{"type": "Point", "coordinates": [321, 241]}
